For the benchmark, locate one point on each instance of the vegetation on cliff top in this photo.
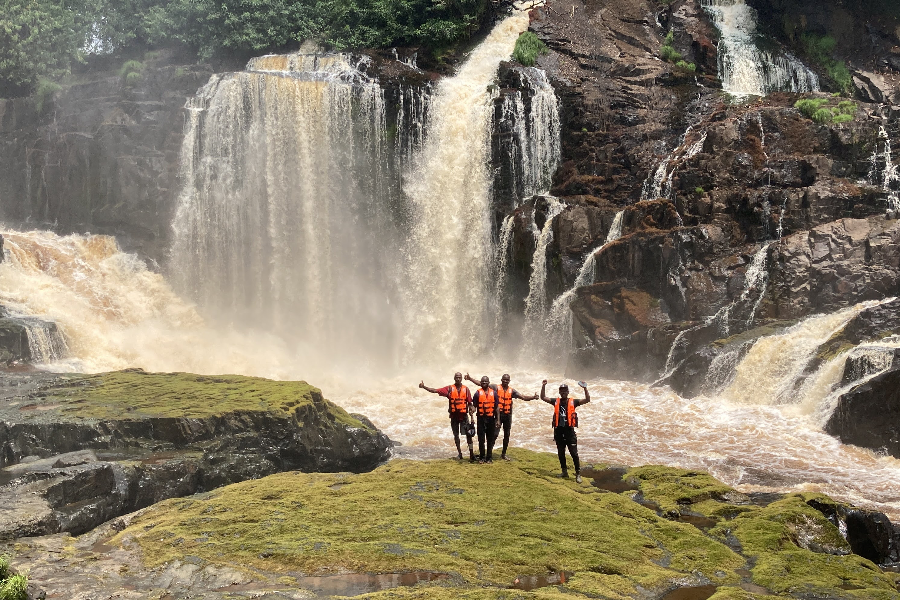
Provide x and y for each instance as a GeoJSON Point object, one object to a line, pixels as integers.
{"type": "Point", "coordinates": [44, 38]}
{"type": "Point", "coordinates": [135, 394]}
{"type": "Point", "coordinates": [488, 525]}
{"type": "Point", "coordinates": [528, 47]}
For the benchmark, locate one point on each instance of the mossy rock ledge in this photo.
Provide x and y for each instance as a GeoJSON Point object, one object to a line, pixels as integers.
{"type": "Point", "coordinates": [78, 450]}
{"type": "Point", "coordinates": [449, 529]}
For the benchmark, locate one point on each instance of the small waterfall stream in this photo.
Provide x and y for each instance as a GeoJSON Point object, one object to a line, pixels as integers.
{"type": "Point", "coordinates": [883, 172]}
{"type": "Point", "coordinates": [745, 69]}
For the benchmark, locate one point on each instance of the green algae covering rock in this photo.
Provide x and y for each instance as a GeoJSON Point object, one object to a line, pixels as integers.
{"type": "Point", "coordinates": [487, 525]}
{"type": "Point", "coordinates": [103, 445]}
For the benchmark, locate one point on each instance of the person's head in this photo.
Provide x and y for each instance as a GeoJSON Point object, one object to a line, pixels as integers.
{"type": "Point", "coordinates": [563, 391]}
{"type": "Point", "coordinates": [485, 382]}
{"type": "Point", "coordinates": [457, 378]}
{"type": "Point", "coordinates": [505, 379]}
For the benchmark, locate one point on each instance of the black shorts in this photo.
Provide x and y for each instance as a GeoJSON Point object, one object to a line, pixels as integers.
{"type": "Point", "coordinates": [458, 423]}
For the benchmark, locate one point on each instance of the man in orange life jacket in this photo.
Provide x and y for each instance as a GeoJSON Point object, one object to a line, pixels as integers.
{"type": "Point", "coordinates": [565, 420]}
{"type": "Point", "coordinates": [505, 395]}
{"type": "Point", "coordinates": [486, 403]}
{"type": "Point", "coordinates": [460, 406]}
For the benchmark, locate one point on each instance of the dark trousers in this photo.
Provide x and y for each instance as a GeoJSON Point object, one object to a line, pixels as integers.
{"type": "Point", "coordinates": [486, 433]}
{"type": "Point", "coordinates": [566, 437]}
{"type": "Point", "coordinates": [506, 424]}
{"type": "Point", "coordinates": [457, 424]}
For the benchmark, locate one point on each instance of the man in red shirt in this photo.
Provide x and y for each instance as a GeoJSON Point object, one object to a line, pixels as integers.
{"type": "Point", "coordinates": [565, 420]}
{"type": "Point", "coordinates": [460, 406]}
{"type": "Point", "coordinates": [505, 395]}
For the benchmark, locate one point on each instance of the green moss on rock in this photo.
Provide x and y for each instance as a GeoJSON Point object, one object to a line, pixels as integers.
{"type": "Point", "coordinates": [135, 394]}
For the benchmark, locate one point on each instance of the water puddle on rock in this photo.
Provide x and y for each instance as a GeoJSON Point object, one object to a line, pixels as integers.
{"type": "Point", "coordinates": [610, 479]}
{"type": "Point", "coordinates": [355, 584]}
{"type": "Point", "coordinates": [527, 583]}
{"type": "Point", "coordinates": [698, 592]}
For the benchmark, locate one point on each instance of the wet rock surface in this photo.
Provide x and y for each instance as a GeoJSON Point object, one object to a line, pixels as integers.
{"type": "Point", "coordinates": [869, 414]}
{"type": "Point", "coordinates": [66, 469]}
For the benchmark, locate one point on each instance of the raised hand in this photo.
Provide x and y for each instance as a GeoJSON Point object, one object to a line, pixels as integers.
{"type": "Point", "coordinates": [422, 384]}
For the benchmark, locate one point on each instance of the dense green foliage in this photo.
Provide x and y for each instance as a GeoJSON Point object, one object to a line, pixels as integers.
{"type": "Point", "coordinates": [668, 53]}
{"type": "Point", "coordinates": [43, 38]}
{"type": "Point", "coordinates": [528, 48]}
{"type": "Point", "coordinates": [12, 587]}
{"type": "Point", "coordinates": [816, 109]}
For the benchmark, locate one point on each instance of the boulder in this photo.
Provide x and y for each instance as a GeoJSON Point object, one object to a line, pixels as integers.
{"type": "Point", "coordinates": [869, 414]}
{"type": "Point", "coordinates": [80, 450]}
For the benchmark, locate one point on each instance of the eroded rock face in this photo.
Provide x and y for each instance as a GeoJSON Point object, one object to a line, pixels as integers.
{"type": "Point", "coordinates": [69, 473]}
{"type": "Point", "coordinates": [869, 414]}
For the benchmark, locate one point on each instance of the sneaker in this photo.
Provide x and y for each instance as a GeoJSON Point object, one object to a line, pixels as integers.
{"type": "Point", "coordinates": [506, 458]}
{"type": "Point", "coordinates": [563, 475]}
{"type": "Point", "coordinates": [578, 478]}
{"type": "Point", "coordinates": [472, 459]}
{"type": "Point", "coordinates": [459, 457]}
{"type": "Point", "coordinates": [489, 462]}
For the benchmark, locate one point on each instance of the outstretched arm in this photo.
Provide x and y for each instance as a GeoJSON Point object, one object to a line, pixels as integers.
{"type": "Point", "coordinates": [426, 388]}
{"type": "Point", "coordinates": [520, 396]}
{"type": "Point", "coordinates": [543, 393]}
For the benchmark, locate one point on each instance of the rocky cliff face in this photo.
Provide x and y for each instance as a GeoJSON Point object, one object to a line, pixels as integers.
{"type": "Point", "coordinates": [736, 214]}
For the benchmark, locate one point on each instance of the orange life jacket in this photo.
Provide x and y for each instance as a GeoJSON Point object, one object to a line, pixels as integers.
{"type": "Point", "coordinates": [505, 399]}
{"type": "Point", "coordinates": [571, 417]}
{"type": "Point", "coordinates": [459, 399]}
{"type": "Point", "coordinates": [486, 400]}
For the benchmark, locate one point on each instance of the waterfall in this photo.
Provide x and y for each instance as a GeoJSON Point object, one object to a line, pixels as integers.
{"type": "Point", "coordinates": [533, 152]}
{"type": "Point", "coordinates": [449, 285]}
{"type": "Point", "coordinates": [756, 280]}
{"type": "Point", "coordinates": [744, 69]}
{"type": "Point", "coordinates": [883, 172]}
{"type": "Point", "coordinates": [536, 301]}
{"type": "Point", "coordinates": [45, 343]}
{"type": "Point", "coordinates": [291, 215]}
{"type": "Point", "coordinates": [558, 323]}
{"type": "Point", "coordinates": [770, 372]}
{"type": "Point", "coordinates": [659, 184]}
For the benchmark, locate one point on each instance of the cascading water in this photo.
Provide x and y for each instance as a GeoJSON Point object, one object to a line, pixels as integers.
{"type": "Point", "coordinates": [45, 343]}
{"type": "Point", "coordinates": [449, 273]}
{"type": "Point", "coordinates": [883, 172]}
{"type": "Point", "coordinates": [659, 184]}
{"type": "Point", "coordinates": [536, 301]}
{"type": "Point", "coordinates": [744, 69]}
{"type": "Point", "coordinates": [771, 370]}
{"type": "Point", "coordinates": [756, 280]}
{"type": "Point", "coordinates": [558, 323]}
{"type": "Point", "coordinates": [288, 219]}
{"type": "Point", "coordinates": [118, 314]}
{"type": "Point", "coordinates": [536, 132]}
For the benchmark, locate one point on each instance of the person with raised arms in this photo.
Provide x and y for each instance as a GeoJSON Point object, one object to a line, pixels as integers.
{"type": "Point", "coordinates": [565, 420]}
{"type": "Point", "coordinates": [460, 406]}
{"type": "Point", "coordinates": [505, 395]}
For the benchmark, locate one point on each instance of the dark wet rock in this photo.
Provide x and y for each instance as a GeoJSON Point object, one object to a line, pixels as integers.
{"type": "Point", "coordinates": [872, 324]}
{"type": "Point", "coordinates": [14, 339]}
{"type": "Point", "coordinates": [67, 469]}
{"type": "Point", "coordinates": [869, 533]}
{"type": "Point", "coordinates": [869, 414]}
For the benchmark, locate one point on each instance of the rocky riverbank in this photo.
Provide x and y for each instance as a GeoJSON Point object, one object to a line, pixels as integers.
{"type": "Point", "coordinates": [78, 450]}
{"type": "Point", "coordinates": [443, 529]}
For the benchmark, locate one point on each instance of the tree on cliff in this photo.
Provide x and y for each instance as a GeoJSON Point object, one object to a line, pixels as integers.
{"type": "Point", "coordinates": [43, 38]}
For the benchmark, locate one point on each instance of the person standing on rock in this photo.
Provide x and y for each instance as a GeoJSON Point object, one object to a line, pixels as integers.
{"type": "Point", "coordinates": [460, 406]}
{"type": "Point", "coordinates": [565, 420]}
{"type": "Point", "coordinates": [487, 402]}
{"type": "Point", "coordinates": [505, 395]}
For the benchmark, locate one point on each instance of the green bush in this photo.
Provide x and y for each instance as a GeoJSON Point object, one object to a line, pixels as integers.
{"type": "Point", "coordinates": [842, 118]}
{"type": "Point", "coordinates": [528, 48]}
{"type": "Point", "coordinates": [809, 106]}
{"type": "Point", "coordinates": [44, 89]}
{"type": "Point", "coordinates": [670, 54]}
{"type": "Point", "coordinates": [14, 588]}
{"type": "Point", "coordinates": [699, 190]}
{"type": "Point", "coordinates": [823, 116]}
{"type": "Point", "coordinates": [686, 66]}
{"type": "Point", "coordinates": [4, 567]}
